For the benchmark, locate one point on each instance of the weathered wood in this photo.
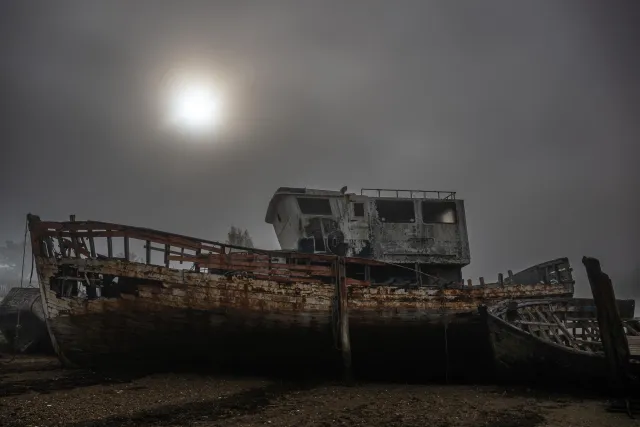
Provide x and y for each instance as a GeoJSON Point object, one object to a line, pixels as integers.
{"type": "Point", "coordinates": [126, 248]}
{"type": "Point", "coordinates": [612, 335]}
{"type": "Point", "coordinates": [345, 341]}
{"type": "Point", "coordinates": [92, 247]}
{"type": "Point", "coordinates": [167, 250]}
{"type": "Point", "coordinates": [238, 290]}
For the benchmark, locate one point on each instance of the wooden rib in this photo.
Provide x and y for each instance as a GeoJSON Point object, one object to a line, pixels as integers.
{"type": "Point", "coordinates": [541, 332]}
{"type": "Point", "coordinates": [564, 330]}
{"type": "Point", "coordinates": [552, 332]}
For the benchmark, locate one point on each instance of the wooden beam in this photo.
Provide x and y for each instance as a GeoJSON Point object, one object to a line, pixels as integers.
{"type": "Point", "coordinates": [147, 257]}
{"type": "Point", "coordinates": [345, 340]}
{"type": "Point", "coordinates": [92, 246]}
{"type": "Point", "coordinates": [612, 335]}
{"type": "Point", "coordinates": [126, 248]}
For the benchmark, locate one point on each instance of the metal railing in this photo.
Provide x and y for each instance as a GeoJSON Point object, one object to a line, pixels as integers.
{"type": "Point", "coordinates": [421, 194]}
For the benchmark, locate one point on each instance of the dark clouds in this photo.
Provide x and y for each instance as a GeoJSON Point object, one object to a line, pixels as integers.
{"type": "Point", "coordinates": [528, 109]}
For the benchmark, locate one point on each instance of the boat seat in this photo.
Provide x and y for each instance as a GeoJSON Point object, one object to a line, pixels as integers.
{"type": "Point", "coordinates": [634, 346]}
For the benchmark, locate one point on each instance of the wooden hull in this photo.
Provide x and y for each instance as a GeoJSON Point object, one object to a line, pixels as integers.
{"type": "Point", "coordinates": [246, 309]}
{"type": "Point", "coordinates": [521, 355]}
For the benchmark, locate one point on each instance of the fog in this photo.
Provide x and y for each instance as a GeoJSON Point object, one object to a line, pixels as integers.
{"type": "Point", "coordinates": [529, 110]}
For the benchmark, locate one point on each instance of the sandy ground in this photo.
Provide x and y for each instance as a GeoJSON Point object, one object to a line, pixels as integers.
{"type": "Point", "coordinates": [35, 391]}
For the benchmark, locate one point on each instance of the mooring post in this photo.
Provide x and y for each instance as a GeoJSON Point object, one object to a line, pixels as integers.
{"type": "Point", "coordinates": [345, 341]}
{"type": "Point", "coordinates": [614, 339]}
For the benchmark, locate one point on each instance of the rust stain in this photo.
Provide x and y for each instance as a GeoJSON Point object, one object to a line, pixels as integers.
{"type": "Point", "coordinates": [199, 276]}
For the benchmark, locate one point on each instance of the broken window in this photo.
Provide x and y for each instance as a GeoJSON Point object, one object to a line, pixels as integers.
{"type": "Point", "coordinates": [399, 211]}
{"type": "Point", "coordinates": [358, 209]}
{"type": "Point", "coordinates": [314, 206]}
{"type": "Point", "coordinates": [439, 212]}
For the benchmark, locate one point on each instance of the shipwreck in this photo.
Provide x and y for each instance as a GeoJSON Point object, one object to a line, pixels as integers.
{"type": "Point", "coordinates": [554, 340]}
{"type": "Point", "coordinates": [359, 277]}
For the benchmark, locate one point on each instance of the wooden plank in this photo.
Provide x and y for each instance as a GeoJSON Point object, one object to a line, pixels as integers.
{"type": "Point", "coordinates": [634, 345]}
{"type": "Point", "coordinates": [224, 263]}
{"type": "Point", "coordinates": [356, 282]}
{"type": "Point", "coordinates": [612, 335]}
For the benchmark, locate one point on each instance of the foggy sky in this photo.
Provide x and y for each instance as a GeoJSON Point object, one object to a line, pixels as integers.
{"type": "Point", "coordinates": [528, 109]}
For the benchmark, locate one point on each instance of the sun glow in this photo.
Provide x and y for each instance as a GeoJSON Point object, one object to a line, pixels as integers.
{"type": "Point", "coordinates": [196, 107]}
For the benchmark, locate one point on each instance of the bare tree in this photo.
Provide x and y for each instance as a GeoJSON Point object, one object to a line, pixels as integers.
{"type": "Point", "coordinates": [239, 237]}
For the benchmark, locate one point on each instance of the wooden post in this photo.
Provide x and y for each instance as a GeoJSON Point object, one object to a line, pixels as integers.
{"type": "Point", "coordinates": [196, 265]}
{"type": "Point", "coordinates": [92, 246]}
{"type": "Point", "coordinates": [167, 252]}
{"type": "Point", "coordinates": [345, 341]}
{"type": "Point", "coordinates": [482, 281]}
{"type": "Point", "coordinates": [500, 279]}
{"type": "Point", "coordinates": [469, 282]}
{"type": "Point", "coordinates": [147, 257]}
{"type": "Point", "coordinates": [126, 248]}
{"type": "Point", "coordinates": [614, 339]}
{"type": "Point", "coordinates": [109, 247]}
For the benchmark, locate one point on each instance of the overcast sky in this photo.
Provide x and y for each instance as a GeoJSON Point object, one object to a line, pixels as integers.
{"type": "Point", "coordinates": [528, 109]}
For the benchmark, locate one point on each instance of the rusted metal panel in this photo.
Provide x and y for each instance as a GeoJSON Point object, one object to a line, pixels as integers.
{"type": "Point", "coordinates": [366, 233]}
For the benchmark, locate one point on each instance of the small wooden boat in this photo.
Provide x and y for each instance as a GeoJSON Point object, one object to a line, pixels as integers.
{"type": "Point", "coordinates": [553, 339]}
{"type": "Point", "coordinates": [22, 321]}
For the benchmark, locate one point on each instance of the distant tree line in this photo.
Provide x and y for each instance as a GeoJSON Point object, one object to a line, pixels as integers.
{"type": "Point", "coordinates": [239, 237]}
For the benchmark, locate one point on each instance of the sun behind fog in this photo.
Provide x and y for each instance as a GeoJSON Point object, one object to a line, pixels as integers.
{"type": "Point", "coordinates": [196, 107]}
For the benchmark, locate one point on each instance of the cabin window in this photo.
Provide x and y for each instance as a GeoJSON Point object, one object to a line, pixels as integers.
{"type": "Point", "coordinates": [314, 206]}
{"type": "Point", "coordinates": [439, 212]}
{"type": "Point", "coordinates": [358, 209]}
{"type": "Point", "coordinates": [399, 211]}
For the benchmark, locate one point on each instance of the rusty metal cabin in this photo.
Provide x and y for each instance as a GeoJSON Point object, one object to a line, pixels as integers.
{"type": "Point", "coordinates": [420, 235]}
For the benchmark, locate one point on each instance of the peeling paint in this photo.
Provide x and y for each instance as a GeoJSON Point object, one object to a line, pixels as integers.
{"type": "Point", "coordinates": [221, 296]}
